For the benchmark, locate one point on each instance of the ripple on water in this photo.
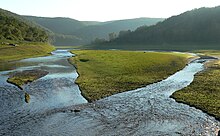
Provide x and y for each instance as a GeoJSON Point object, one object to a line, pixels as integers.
{"type": "Point", "coordinates": [56, 90]}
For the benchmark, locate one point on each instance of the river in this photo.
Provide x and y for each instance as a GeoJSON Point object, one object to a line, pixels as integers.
{"type": "Point", "coordinates": [55, 98]}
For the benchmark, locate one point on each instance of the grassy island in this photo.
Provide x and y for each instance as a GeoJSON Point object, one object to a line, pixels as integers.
{"type": "Point", "coordinates": [104, 73]}
{"type": "Point", "coordinates": [21, 78]}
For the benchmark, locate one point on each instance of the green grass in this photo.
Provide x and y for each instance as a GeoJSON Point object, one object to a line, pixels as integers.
{"type": "Point", "coordinates": [204, 91]}
{"type": "Point", "coordinates": [104, 73]}
{"type": "Point", "coordinates": [24, 77]}
{"type": "Point", "coordinates": [23, 50]}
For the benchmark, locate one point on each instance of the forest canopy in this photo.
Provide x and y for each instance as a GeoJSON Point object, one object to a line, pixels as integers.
{"type": "Point", "coordinates": [16, 28]}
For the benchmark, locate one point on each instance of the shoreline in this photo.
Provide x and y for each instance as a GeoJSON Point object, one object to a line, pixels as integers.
{"type": "Point", "coordinates": [74, 65]}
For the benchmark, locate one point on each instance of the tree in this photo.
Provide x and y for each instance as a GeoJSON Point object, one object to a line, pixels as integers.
{"type": "Point", "coordinates": [112, 36]}
{"type": "Point", "coordinates": [122, 33]}
{"type": "Point", "coordinates": [98, 40]}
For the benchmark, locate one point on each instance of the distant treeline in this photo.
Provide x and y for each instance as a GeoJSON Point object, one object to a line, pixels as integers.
{"type": "Point", "coordinates": [67, 31]}
{"type": "Point", "coordinates": [196, 27]}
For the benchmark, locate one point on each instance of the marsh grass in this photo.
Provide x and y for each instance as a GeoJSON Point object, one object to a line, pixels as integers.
{"type": "Point", "coordinates": [104, 73]}
{"type": "Point", "coordinates": [23, 50]}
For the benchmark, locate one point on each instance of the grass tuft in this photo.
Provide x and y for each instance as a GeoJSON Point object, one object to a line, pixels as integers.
{"type": "Point", "coordinates": [27, 97]}
{"type": "Point", "coordinates": [83, 60]}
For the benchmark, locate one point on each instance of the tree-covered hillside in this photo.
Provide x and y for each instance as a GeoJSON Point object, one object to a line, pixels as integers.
{"type": "Point", "coordinates": [16, 28]}
{"type": "Point", "coordinates": [58, 24]}
{"type": "Point", "coordinates": [102, 30]}
{"type": "Point", "coordinates": [68, 31]}
{"type": "Point", "coordinates": [199, 28]}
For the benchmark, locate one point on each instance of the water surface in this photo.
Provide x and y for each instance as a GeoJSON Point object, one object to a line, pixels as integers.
{"type": "Point", "coordinates": [55, 90]}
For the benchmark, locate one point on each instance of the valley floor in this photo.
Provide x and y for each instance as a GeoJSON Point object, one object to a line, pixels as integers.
{"type": "Point", "coordinates": [104, 73]}
{"type": "Point", "coordinates": [53, 103]}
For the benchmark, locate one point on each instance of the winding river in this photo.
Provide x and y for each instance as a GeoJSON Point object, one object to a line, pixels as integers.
{"type": "Point", "coordinates": [57, 107]}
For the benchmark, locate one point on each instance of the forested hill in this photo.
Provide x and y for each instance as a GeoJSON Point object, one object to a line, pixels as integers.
{"type": "Point", "coordinates": [58, 25]}
{"type": "Point", "coordinates": [198, 28]}
{"type": "Point", "coordinates": [67, 31]}
{"type": "Point", "coordinates": [15, 27]}
{"type": "Point", "coordinates": [102, 29]}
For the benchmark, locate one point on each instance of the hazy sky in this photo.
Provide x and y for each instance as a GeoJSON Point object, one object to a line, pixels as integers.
{"type": "Point", "coordinates": [103, 10]}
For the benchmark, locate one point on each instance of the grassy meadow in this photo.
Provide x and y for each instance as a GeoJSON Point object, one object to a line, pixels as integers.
{"type": "Point", "coordinates": [23, 50]}
{"type": "Point", "coordinates": [204, 91]}
{"type": "Point", "coordinates": [104, 73]}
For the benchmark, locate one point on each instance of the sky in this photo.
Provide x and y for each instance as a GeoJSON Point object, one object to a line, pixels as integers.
{"type": "Point", "coordinates": [104, 10]}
